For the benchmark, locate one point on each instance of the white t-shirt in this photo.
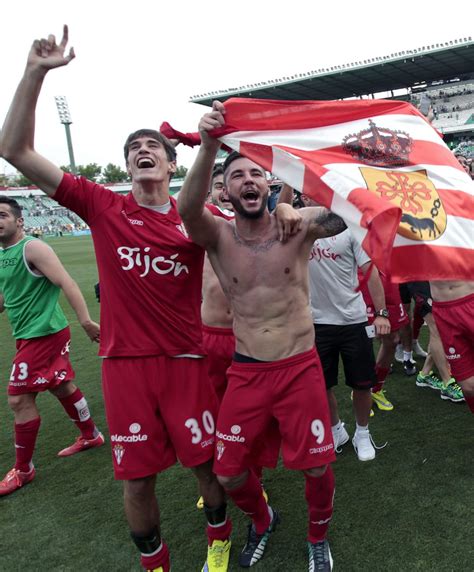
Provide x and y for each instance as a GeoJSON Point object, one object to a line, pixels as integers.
{"type": "Point", "coordinates": [333, 264]}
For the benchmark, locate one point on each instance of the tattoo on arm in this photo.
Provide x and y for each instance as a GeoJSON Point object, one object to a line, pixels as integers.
{"type": "Point", "coordinates": [329, 223]}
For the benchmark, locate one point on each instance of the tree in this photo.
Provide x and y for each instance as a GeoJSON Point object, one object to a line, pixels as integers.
{"type": "Point", "coordinates": [92, 171]}
{"type": "Point", "coordinates": [180, 172]}
{"type": "Point", "coordinates": [114, 174]}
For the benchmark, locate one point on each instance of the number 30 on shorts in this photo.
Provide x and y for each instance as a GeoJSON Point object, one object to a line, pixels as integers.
{"type": "Point", "coordinates": [196, 432]}
{"type": "Point", "coordinates": [317, 429]}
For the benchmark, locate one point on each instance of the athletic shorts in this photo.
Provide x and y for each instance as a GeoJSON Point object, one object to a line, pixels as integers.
{"type": "Point", "coordinates": [353, 345]}
{"type": "Point", "coordinates": [397, 316]}
{"type": "Point", "coordinates": [455, 321]}
{"type": "Point", "coordinates": [41, 363]}
{"type": "Point", "coordinates": [290, 392]}
{"type": "Point", "coordinates": [397, 313]}
{"type": "Point", "coordinates": [219, 344]}
{"type": "Point", "coordinates": [421, 293]}
{"type": "Point", "coordinates": [158, 408]}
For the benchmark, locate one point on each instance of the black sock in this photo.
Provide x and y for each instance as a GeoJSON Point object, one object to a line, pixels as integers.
{"type": "Point", "coordinates": [147, 543]}
{"type": "Point", "coordinates": [216, 515]}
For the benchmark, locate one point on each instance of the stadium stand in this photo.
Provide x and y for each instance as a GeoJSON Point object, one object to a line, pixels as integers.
{"type": "Point", "coordinates": [443, 71]}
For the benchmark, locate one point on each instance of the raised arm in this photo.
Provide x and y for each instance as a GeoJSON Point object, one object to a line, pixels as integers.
{"type": "Point", "coordinates": [43, 259]}
{"type": "Point", "coordinates": [17, 136]}
{"type": "Point", "coordinates": [201, 224]}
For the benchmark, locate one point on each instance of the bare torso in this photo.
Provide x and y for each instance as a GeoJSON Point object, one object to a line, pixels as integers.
{"type": "Point", "coordinates": [215, 308]}
{"type": "Point", "coordinates": [445, 291]}
{"type": "Point", "coordinates": [266, 282]}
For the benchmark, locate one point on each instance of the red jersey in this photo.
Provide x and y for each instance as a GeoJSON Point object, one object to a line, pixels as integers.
{"type": "Point", "coordinates": [150, 272]}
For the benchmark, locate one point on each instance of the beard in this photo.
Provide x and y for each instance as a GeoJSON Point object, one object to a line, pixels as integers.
{"type": "Point", "coordinates": [240, 209]}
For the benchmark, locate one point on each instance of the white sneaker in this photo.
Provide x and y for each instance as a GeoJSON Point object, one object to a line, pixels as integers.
{"type": "Point", "coordinates": [363, 446]}
{"type": "Point", "coordinates": [340, 437]}
{"type": "Point", "coordinates": [399, 353]}
{"type": "Point", "coordinates": [418, 350]}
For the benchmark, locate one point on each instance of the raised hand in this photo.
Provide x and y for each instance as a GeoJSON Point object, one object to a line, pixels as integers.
{"type": "Point", "coordinates": [46, 54]}
{"type": "Point", "coordinates": [210, 121]}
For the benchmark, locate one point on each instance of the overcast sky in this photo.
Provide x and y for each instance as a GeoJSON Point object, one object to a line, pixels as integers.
{"type": "Point", "coordinates": [137, 63]}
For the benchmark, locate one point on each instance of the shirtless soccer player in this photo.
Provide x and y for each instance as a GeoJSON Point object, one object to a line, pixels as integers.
{"type": "Point", "coordinates": [276, 373]}
{"type": "Point", "coordinates": [158, 399]}
{"type": "Point", "coordinates": [31, 278]}
{"type": "Point", "coordinates": [453, 311]}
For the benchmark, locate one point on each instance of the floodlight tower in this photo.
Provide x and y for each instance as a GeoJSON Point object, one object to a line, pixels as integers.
{"type": "Point", "coordinates": [65, 119]}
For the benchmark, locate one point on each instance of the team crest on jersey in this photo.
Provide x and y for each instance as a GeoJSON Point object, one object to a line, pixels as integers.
{"type": "Point", "coordinates": [220, 449]}
{"type": "Point", "coordinates": [182, 230]}
{"type": "Point", "coordinates": [119, 450]}
{"type": "Point", "coordinates": [423, 217]}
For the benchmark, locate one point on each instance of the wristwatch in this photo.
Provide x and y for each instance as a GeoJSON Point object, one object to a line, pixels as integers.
{"type": "Point", "coordinates": [384, 313]}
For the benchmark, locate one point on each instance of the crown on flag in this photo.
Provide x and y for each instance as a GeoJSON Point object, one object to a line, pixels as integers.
{"type": "Point", "coordinates": [379, 146]}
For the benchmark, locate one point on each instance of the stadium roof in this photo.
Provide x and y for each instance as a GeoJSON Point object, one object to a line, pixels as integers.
{"type": "Point", "coordinates": [401, 70]}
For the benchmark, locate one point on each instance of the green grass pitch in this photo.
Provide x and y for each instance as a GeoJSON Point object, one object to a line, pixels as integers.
{"type": "Point", "coordinates": [412, 509]}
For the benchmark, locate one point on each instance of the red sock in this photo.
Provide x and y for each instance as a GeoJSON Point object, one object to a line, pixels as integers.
{"type": "Point", "coordinates": [219, 532]}
{"type": "Point", "coordinates": [159, 558]}
{"type": "Point", "coordinates": [381, 373]}
{"type": "Point", "coordinates": [470, 402]}
{"type": "Point", "coordinates": [249, 498]}
{"type": "Point", "coordinates": [25, 440]}
{"type": "Point", "coordinates": [76, 407]}
{"type": "Point", "coordinates": [417, 321]}
{"type": "Point", "coordinates": [319, 496]}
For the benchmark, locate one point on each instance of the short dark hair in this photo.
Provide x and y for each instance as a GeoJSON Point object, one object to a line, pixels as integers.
{"type": "Point", "coordinates": [230, 159]}
{"type": "Point", "coordinates": [157, 136]}
{"type": "Point", "coordinates": [218, 170]}
{"type": "Point", "coordinates": [14, 205]}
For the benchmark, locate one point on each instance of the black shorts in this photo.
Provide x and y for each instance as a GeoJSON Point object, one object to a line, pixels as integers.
{"type": "Point", "coordinates": [405, 295]}
{"type": "Point", "coordinates": [421, 293]}
{"type": "Point", "coordinates": [355, 348]}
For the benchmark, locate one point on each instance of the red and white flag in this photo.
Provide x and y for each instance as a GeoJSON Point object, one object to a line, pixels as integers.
{"type": "Point", "coordinates": [378, 164]}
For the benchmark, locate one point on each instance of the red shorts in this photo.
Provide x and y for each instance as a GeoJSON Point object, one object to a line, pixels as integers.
{"type": "Point", "coordinates": [41, 363]}
{"type": "Point", "coordinates": [219, 344]}
{"type": "Point", "coordinates": [291, 391]}
{"type": "Point", "coordinates": [455, 321]}
{"type": "Point", "coordinates": [397, 316]}
{"type": "Point", "coordinates": [158, 408]}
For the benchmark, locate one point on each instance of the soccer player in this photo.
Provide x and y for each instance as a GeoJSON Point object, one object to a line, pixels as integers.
{"type": "Point", "coordinates": [341, 327]}
{"type": "Point", "coordinates": [217, 194]}
{"type": "Point", "coordinates": [31, 278]}
{"type": "Point", "coordinates": [276, 373]}
{"type": "Point", "coordinates": [388, 343]}
{"type": "Point", "coordinates": [159, 402]}
{"type": "Point", "coordinates": [453, 312]}
{"type": "Point", "coordinates": [447, 385]}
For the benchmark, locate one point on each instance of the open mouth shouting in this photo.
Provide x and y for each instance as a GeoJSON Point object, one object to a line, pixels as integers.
{"type": "Point", "coordinates": [145, 163]}
{"type": "Point", "coordinates": [251, 197]}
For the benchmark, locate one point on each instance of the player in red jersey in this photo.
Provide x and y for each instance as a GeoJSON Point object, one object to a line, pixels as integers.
{"type": "Point", "coordinates": [276, 373]}
{"type": "Point", "coordinates": [31, 277]}
{"type": "Point", "coordinates": [153, 345]}
{"type": "Point", "coordinates": [388, 343]}
{"type": "Point", "coordinates": [453, 312]}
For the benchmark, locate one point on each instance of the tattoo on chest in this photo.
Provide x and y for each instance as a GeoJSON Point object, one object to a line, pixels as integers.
{"type": "Point", "coordinates": [254, 246]}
